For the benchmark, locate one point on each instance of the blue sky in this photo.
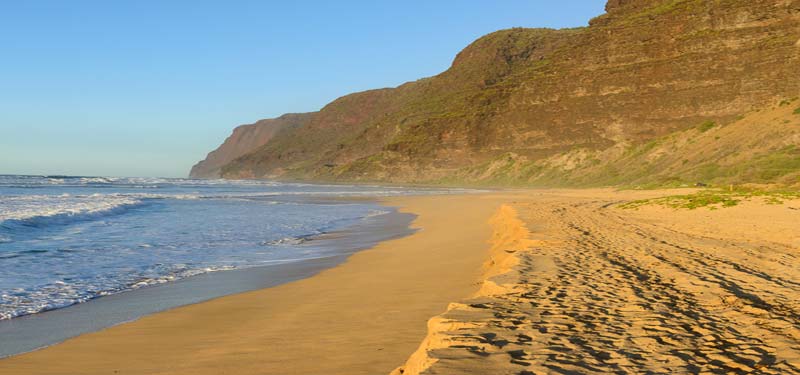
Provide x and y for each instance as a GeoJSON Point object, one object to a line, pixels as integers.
{"type": "Point", "coordinates": [147, 88]}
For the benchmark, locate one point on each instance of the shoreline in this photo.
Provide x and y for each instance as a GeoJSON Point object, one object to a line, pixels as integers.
{"type": "Point", "coordinates": [37, 331]}
{"type": "Point", "coordinates": [376, 302]}
{"type": "Point", "coordinates": [556, 281]}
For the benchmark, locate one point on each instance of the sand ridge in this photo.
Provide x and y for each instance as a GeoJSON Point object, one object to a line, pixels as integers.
{"type": "Point", "coordinates": [509, 236]}
{"type": "Point", "coordinates": [629, 292]}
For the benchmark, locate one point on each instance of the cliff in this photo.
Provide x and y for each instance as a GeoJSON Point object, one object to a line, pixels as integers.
{"type": "Point", "coordinates": [526, 106]}
{"type": "Point", "coordinates": [243, 140]}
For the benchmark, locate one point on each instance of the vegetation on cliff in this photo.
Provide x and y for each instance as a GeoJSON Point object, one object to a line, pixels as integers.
{"type": "Point", "coordinates": [653, 92]}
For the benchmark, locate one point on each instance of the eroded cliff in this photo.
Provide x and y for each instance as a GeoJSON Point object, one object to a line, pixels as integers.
{"type": "Point", "coordinates": [246, 139]}
{"type": "Point", "coordinates": [522, 98]}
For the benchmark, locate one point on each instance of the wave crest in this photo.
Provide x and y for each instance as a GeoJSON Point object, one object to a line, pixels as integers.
{"type": "Point", "coordinates": [42, 210]}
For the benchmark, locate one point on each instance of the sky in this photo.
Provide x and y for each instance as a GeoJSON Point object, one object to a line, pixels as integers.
{"type": "Point", "coordinates": [148, 87]}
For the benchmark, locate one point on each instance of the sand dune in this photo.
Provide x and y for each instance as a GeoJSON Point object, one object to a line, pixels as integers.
{"type": "Point", "coordinates": [606, 290]}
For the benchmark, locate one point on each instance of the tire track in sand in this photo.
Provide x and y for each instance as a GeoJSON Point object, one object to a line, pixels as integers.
{"type": "Point", "coordinates": [605, 293]}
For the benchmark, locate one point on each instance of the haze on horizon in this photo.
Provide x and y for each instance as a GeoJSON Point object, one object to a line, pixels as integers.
{"type": "Point", "coordinates": [147, 88]}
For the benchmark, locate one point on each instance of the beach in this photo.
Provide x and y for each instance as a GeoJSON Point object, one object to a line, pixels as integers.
{"type": "Point", "coordinates": [592, 287]}
{"type": "Point", "coordinates": [363, 317]}
{"type": "Point", "coordinates": [31, 332]}
{"type": "Point", "coordinates": [400, 188]}
{"type": "Point", "coordinates": [514, 282]}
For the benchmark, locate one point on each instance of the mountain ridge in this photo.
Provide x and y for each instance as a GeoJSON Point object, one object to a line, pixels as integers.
{"type": "Point", "coordinates": [642, 71]}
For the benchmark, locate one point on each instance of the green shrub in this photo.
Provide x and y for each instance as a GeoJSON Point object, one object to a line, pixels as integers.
{"type": "Point", "coordinates": [797, 111]}
{"type": "Point", "coordinates": [706, 126]}
{"type": "Point", "coordinates": [714, 199]}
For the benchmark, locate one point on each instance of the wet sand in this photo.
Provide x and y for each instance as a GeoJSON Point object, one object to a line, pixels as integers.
{"type": "Point", "coordinates": [362, 317]}
{"type": "Point", "coordinates": [35, 331]}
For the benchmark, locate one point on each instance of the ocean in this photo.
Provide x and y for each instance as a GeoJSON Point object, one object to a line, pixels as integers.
{"type": "Point", "coordinates": [65, 240]}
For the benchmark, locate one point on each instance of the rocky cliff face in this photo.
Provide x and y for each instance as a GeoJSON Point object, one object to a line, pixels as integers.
{"type": "Point", "coordinates": [526, 98]}
{"type": "Point", "coordinates": [246, 139]}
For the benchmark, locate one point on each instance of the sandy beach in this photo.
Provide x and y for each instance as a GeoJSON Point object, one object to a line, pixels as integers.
{"type": "Point", "coordinates": [400, 188]}
{"type": "Point", "coordinates": [595, 289]}
{"type": "Point", "coordinates": [532, 282]}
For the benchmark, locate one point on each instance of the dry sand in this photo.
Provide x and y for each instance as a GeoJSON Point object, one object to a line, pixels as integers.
{"type": "Point", "coordinates": [571, 284]}
{"type": "Point", "coordinates": [595, 289]}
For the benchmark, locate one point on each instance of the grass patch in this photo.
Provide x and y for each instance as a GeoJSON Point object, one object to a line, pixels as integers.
{"type": "Point", "coordinates": [714, 199]}
{"type": "Point", "coordinates": [706, 126]}
{"type": "Point", "coordinates": [797, 111]}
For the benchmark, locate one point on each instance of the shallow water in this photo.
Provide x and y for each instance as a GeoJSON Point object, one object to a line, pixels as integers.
{"type": "Point", "coordinates": [34, 331]}
{"type": "Point", "coordinates": [66, 240]}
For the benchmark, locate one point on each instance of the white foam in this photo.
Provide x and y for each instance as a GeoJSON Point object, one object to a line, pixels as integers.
{"type": "Point", "coordinates": [374, 213]}
{"type": "Point", "coordinates": [58, 294]}
{"type": "Point", "coordinates": [287, 241]}
{"type": "Point", "coordinates": [35, 210]}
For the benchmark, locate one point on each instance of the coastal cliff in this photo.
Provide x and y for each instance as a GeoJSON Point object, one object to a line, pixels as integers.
{"type": "Point", "coordinates": [543, 107]}
{"type": "Point", "coordinates": [243, 140]}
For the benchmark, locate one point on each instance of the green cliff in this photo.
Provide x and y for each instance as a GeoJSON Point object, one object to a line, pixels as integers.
{"type": "Point", "coordinates": [587, 106]}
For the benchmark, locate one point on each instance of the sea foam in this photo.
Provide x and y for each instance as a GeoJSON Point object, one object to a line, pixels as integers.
{"type": "Point", "coordinates": [42, 210]}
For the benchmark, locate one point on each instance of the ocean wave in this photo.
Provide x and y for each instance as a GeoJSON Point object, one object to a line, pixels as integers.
{"type": "Point", "coordinates": [288, 241]}
{"type": "Point", "coordinates": [43, 210]}
{"type": "Point", "coordinates": [375, 213]}
{"type": "Point", "coordinates": [255, 195]}
{"type": "Point", "coordinates": [99, 181]}
{"type": "Point", "coordinates": [59, 294]}
{"type": "Point", "coordinates": [158, 182]}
